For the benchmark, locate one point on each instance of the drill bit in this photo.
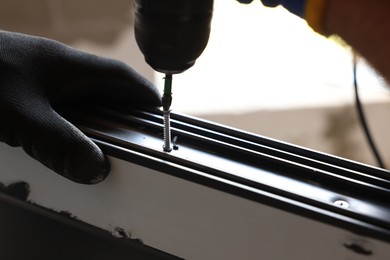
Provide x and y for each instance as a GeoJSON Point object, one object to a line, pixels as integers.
{"type": "Point", "coordinates": [166, 103]}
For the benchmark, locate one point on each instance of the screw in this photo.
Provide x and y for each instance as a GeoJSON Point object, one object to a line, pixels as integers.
{"type": "Point", "coordinates": [166, 103]}
{"type": "Point", "coordinates": [167, 132]}
{"type": "Point", "coordinates": [341, 203]}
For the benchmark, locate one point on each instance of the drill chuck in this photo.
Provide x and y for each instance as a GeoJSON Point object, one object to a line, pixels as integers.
{"type": "Point", "coordinates": [172, 34]}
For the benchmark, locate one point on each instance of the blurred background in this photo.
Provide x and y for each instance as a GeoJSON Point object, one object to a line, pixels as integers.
{"type": "Point", "coordinates": [264, 70]}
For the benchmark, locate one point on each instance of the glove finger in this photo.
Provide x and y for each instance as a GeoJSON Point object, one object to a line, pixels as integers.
{"type": "Point", "coordinates": [268, 3]}
{"type": "Point", "coordinates": [62, 147]}
{"type": "Point", "coordinates": [97, 78]}
{"type": "Point", "coordinates": [245, 1]}
{"type": "Point", "coordinates": [66, 72]}
{"type": "Point", "coordinates": [271, 3]}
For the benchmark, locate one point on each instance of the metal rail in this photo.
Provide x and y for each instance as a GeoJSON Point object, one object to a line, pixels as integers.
{"type": "Point", "coordinates": [323, 187]}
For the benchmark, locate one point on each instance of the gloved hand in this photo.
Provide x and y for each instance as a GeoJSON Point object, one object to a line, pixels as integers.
{"type": "Point", "coordinates": [295, 6]}
{"type": "Point", "coordinates": [37, 74]}
{"type": "Point", "coordinates": [311, 10]}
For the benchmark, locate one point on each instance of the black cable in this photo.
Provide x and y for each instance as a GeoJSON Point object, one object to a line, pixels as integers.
{"type": "Point", "coordinates": [362, 117]}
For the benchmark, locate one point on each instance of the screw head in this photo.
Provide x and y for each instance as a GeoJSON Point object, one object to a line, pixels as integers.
{"type": "Point", "coordinates": [341, 204]}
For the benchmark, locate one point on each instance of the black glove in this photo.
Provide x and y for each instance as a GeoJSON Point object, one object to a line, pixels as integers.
{"type": "Point", "coordinates": [37, 74]}
{"type": "Point", "coordinates": [296, 7]}
{"type": "Point", "coordinates": [269, 3]}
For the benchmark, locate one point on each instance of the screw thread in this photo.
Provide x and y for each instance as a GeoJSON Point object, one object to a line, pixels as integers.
{"type": "Point", "coordinates": [167, 131]}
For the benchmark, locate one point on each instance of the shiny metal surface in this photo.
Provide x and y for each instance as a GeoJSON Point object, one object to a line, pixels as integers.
{"type": "Point", "coordinates": [309, 181]}
{"type": "Point", "coordinates": [221, 194]}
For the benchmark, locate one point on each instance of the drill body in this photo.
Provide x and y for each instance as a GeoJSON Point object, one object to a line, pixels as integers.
{"type": "Point", "coordinates": [172, 34]}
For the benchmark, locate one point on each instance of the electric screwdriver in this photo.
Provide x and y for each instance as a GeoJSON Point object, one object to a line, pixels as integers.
{"type": "Point", "coordinates": [172, 34]}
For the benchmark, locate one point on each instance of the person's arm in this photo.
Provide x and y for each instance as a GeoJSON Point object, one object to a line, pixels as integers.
{"type": "Point", "coordinates": [365, 25]}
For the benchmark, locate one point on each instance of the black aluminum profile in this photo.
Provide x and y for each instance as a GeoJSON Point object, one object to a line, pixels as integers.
{"type": "Point", "coordinates": [284, 176]}
{"type": "Point", "coordinates": [29, 231]}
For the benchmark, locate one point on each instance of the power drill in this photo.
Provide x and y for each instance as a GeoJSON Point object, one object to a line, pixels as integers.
{"type": "Point", "coordinates": [172, 34]}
